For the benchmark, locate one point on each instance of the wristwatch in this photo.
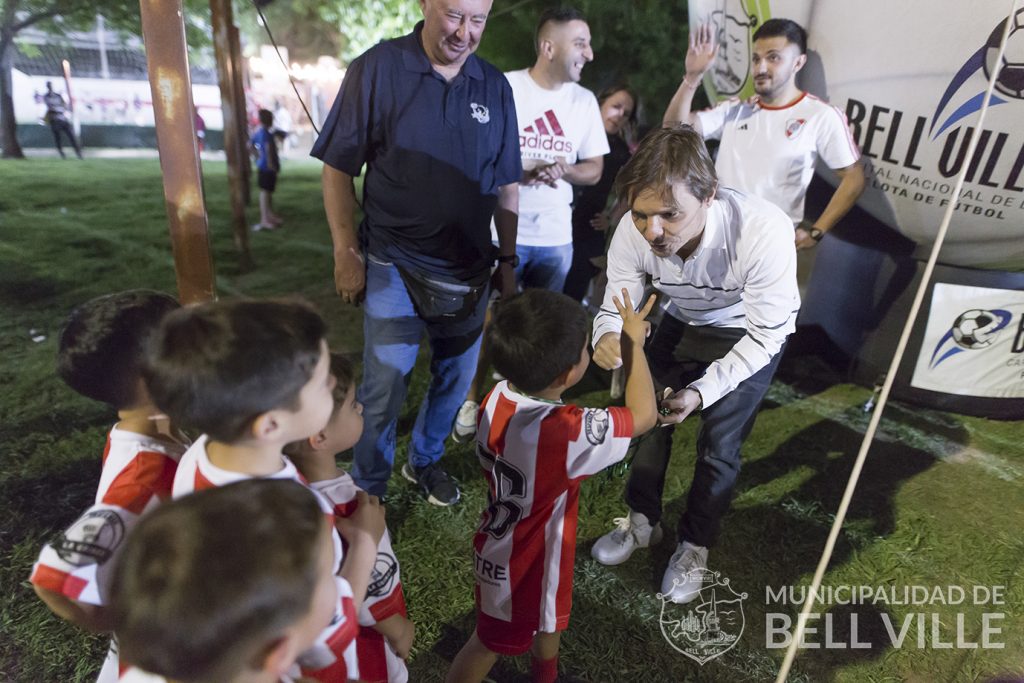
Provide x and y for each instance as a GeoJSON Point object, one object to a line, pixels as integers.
{"type": "Point", "coordinates": [816, 234]}
{"type": "Point", "coordinates": [512, 259]}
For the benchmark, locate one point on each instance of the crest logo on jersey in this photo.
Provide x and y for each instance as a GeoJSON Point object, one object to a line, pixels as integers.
{"type": "Point", "coordinates": [479, 112]}
{"type": "Point", "coordinates": [794, 126]}
{"type": "Point", "coordinates": [382, 578]}
{"type": "Point", "coordinates": [710, 625]}
{"type": "Point", "coordinates": [92, 539]}
{"type": "Point", "coordinates": [595, 425]}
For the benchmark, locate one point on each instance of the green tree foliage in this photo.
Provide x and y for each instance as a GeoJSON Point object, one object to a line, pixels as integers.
{"type": "Point", "coordinates": [341, 28]}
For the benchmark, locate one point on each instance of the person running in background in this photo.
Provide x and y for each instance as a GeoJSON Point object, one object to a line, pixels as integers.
{"type": "Point", "coordinates": [56, 117]}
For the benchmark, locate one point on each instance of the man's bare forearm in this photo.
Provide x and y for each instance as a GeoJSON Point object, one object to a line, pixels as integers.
{"type": "Point", "coordinates": [585, 172]}
{"type": "Point", "coordinates": [680, 108]}
{"type": "Point", "coordinates": [851, 185]}
{"type": "Point", "coordinates": [340, 206]}
{"type": "Point", "coordinates": [506, 218]}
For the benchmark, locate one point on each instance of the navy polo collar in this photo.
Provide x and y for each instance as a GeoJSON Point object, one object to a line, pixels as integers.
{"type": "Point", "coordinates": [415, 58]}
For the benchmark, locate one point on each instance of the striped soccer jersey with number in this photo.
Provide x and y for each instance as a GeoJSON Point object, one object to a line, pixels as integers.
{"type": "Point", "coordinates": [535, 454]}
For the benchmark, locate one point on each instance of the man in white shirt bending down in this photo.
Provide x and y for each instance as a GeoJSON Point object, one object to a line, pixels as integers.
{"type": "Point", "coordinates": [726, 263]}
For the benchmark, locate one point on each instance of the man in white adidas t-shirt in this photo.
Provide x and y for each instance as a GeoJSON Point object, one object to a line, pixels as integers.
{"type": "Point", "coordinates": [770, 143]}
{"type": "Point", "coordinates": [561, 142]}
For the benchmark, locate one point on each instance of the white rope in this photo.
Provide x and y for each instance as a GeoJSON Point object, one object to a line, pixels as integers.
{"type": "Point", "coordinates": [876, 416]}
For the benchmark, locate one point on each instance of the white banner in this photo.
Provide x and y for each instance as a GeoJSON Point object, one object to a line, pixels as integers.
{"type": "Point", "coordinates": [974, 343]}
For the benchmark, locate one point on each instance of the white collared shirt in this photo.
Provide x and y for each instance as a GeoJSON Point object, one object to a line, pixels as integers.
{"type": "Point", "coordinates": [742, 274]}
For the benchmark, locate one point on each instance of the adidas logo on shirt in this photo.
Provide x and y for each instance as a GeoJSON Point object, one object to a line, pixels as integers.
{"type": "Point", "coordinates": [545, 133]}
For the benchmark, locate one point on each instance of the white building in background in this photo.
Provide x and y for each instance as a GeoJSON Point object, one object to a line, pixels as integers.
{"type": "Point", "coordinates": [109, 81]}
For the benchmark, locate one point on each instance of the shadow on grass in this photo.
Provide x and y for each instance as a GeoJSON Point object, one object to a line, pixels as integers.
{"type": "Point", "coordinates": [778, 544]}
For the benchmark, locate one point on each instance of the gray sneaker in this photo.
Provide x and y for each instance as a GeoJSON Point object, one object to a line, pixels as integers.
{"type": "Point", "coordinates": [629, 534]}
{"type": "Point", "coordinates": [437, 486]}
{"type": "Point", "coordinates": [685, 572]}
{"type": "Point", "coordinates": [464, 428]}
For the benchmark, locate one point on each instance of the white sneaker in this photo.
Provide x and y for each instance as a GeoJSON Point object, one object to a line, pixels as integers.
{"type": "Point", "coordinates": [464, 428]}
{"type": "Point", "coordinates": [685, 573]}
{"type": "Point", "coordinates": [629, 534]}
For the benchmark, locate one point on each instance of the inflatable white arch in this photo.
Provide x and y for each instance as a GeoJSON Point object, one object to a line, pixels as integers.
{"type": "Point", "coordinates": [911, 76]}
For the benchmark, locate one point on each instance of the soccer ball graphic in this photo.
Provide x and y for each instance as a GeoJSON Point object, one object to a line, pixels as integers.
{"type": "Point", "coordinates": [1010, 80]}
{"type": "Point", "coordinates": [975, 329]}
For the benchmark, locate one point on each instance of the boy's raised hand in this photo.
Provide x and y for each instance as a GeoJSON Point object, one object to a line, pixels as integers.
{"type": "Point", "coordinates": [635, 327]}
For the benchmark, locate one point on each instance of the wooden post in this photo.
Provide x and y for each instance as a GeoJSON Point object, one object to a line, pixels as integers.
{"type": "Point", "coordinates": [222, 19]}
{"type": "Point", "coordinates": [238, 71]}
{"type": "Point", "coordinates": [163, 30]}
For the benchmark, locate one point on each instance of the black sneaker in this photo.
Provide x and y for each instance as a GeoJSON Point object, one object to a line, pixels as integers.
{"type": "Point", "coordinates": [439, 488]}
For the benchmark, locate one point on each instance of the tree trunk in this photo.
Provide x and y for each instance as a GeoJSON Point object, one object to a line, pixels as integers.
{"type": "Point", "coordinates": [8, 126]}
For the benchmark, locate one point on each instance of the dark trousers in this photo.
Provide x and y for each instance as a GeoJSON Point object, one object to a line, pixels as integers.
{"type": "Point", "coordinates": [58, 126]}
{"type": "Point", "coordinates": [679, 354]}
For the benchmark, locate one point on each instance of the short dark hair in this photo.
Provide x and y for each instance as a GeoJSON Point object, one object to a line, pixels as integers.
{"type": "Point", "coordinates": [555, 15]}
{"type": "Point", "coordinates": [207, 580]}
{"type": "Point", "coordinates": [536, 336]}
{"type": "Point", "coordinates": [266, 118]}
{"type": "Point", "coordinates": [345, 375]}
{"type": "Point", "coordinates": [783, 28]}
{"type": "Point", "coordinates": [102, 345]}
{"type": "Point", "coordinates": [675, 154]}
{"type": "Point", "coordinates": [218, 366]}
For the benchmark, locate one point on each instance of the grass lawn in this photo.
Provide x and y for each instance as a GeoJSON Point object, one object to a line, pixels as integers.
{"type": "Point", "coordinates": [940, 502]}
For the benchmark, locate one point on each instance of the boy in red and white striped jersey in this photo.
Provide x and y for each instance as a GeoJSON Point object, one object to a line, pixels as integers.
{"type": "Point", "coordinates": [254, 376]}
{"type": "Point", "coordinates": [228, 585]}
{"type": "Point", "coordinates": [385, 631]}
{"type": "Point", "coordinates": [535, 452]}
{"type": "Point", "coordinates": [100, 354]}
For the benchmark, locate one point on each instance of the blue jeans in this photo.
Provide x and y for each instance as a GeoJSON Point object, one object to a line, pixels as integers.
{"type": "Point", "coordinates": [679, 354]}
{"type": "Point", "coordinates": [392, 332]}
{"type": "Point", "coordinates": [543, 267]}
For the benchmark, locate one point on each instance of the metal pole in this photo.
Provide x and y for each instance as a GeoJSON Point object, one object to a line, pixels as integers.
{"type": "Point", "coordinates": [75, 125]}
{"type": "Point", "coordinates": [101, 38]}
{"type": "Point", "coordinates": [163, 30]}
{"type": "Point", "coordinates": [221, 16]}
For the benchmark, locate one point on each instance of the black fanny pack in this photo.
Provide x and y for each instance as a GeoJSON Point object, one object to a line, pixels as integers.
{"type": "Point", "coordinates": [439, 300]}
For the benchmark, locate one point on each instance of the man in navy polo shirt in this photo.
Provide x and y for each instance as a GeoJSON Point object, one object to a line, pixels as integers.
{"type": "Point", "coordinates": [436, 127]}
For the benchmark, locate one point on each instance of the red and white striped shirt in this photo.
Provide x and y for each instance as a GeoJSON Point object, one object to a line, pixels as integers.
{"type": "Point", "coordinates": [333, 656]}
{"type": "Point", "coordinates": [534, 454]}
{"type": "Point", "coordinates": [378, 662]}
{"type": "Point", "coordinates": [136, 476]}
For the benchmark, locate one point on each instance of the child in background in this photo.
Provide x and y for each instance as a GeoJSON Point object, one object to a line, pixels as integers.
{"type": "Point", "coordinates": [535, 451]}
{"type": "Point", "coordinates": [100, 354]}
{"type": "Point", "coordinates": [229, 585]}
{"type": "Point", "coordinates": [254, 376]}
{"type": "Point", "coordinates": [263, 146]}
{"type": "Point", "coordinates": [385, 632]}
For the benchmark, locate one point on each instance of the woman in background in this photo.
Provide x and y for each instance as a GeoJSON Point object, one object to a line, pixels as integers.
{"type": "Point", "coordinates": [590, 221]}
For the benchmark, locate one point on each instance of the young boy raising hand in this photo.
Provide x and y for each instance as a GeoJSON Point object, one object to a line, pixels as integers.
{"type": "Point", "coordinates": [535, 452]}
